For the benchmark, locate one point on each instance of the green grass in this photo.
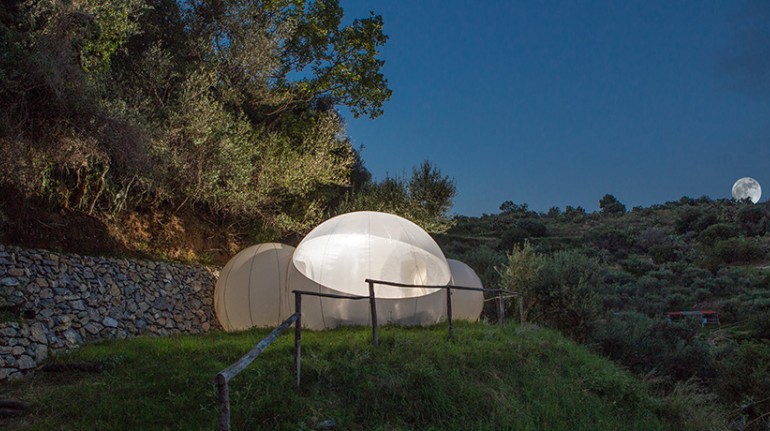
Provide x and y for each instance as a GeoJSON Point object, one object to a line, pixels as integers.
{"type": "Point", "coordinates": [519, 378]}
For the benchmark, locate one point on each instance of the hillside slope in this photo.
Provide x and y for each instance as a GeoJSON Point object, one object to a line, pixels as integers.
{"type": "Point", "coordinates": [519, 378]}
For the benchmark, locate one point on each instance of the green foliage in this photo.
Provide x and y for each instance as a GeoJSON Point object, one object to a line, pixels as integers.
{"type": "Point", "coordinates": [520, 274]}
{"type": "Point", "coordinates": [717, 232]}
{"type": "Point", "coordinates": [511, 208]}
{"type": "Point", "coordinates": [696, 219]}
{"type": "Point", "coordinates": [744, 381]}
{"type": "Point", "coordinates": [753, 219]}
{"type": "Point", "coordinates": [561, 290]}
{"type": "Point", "coordinates": [488, 378]}
{"type": "Point", "coordinates": [425, 198]}
{"type": "Point", "coordinates": [609, 204]}
{"type": "Point", "coordinates": [644, 345]}
{"type": "Point", "coordinates": [686, 255]}
{"type": "Point", "coordinates": [228, 107]}
{"type": "Point", "coordinates": [568, 292]}
{"type": "Point", "coordinates": [734, 250]}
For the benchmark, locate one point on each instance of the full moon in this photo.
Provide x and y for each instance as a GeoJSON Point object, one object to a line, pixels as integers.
{"type": "Point", "coordinates": [747, 188]}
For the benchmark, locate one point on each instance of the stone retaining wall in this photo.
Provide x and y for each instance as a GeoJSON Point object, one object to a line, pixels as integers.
{"type": "Point", "coordinates": [54, 301]}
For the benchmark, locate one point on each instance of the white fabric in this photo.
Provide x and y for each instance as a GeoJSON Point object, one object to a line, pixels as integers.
{"type": "Point", "coordinates": [252, 289]}
{"type": "Point", "coordinates": [466, 304]}
{"type": "Point", "coordinates": [346, 250]}
{"type": "Point", "coordinates": [328, 313]}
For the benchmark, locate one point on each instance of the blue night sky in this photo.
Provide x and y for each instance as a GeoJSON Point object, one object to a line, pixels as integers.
{"type": "Point", "coordinates": [555, 103]}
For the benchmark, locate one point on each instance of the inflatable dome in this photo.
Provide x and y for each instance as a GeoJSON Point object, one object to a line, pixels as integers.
{"type": "Point", "coordinates": [466, 304]}
{"type": "Point", "coordinates": [328, 313]}
{"type": "Point", "coordinates": [344, 251]}
{"type": "Point", "coordinates": [252, 289]}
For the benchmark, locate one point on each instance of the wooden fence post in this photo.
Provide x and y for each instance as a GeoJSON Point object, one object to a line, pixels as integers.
{"type": "Point", "coordinates": [298, 337]}
{"type": "Point", "coordinates": [373, 304]}
{"type": "Point", "coordinates": [521, 309]}
{"type": "Point", "coordinates": [449, 310]}
{"type": "Point", "coordinates": [500, 308]}
{"type": "Point", "coordinates": [224, 403]}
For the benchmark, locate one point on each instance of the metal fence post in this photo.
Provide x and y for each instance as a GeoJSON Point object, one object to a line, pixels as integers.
{"type": "Point", "coordinates": [449, 310]}
{"type": "Point", "coordinates": [373, 304]}
{"type": "Point", "coordinates": [298, 337]}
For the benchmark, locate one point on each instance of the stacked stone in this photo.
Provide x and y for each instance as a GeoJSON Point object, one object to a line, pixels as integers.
{"type": "Point", "coordinates": [54, 301]}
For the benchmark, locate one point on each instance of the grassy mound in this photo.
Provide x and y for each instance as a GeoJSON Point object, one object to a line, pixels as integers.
{"type": "Point", "coordinates": [518, 378]}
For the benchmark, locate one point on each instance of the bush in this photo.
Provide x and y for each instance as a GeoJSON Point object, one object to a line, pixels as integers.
{"type": "Point", "coordinates": [717, 232]}
{"type": "Point", "coordinates": [644, 344]}
{"type": "Point", "coordinates": [568, 293]}
{"type": "Point", "coordinates": [735, 250]}
{"type": "Point", "coordinates": [743, 380]}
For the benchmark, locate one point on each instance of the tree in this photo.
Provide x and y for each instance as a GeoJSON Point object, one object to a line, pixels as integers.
{"type": "Point", "coordinates": [610, 205]}
{"type": "Point", "coordinates": [509, 207]}
{"type": "Point", "coordinates": [520, 274]}
{"type": "Point", "coordinates": [424, 198]}
{"type": "Point", "coordinates": [230, 107]}
{"type": "Point", "coordinates": [561, 290]}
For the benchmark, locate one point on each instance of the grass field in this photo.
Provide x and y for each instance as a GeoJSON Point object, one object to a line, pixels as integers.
{"type": "Point", "coordinates": [487, 378]}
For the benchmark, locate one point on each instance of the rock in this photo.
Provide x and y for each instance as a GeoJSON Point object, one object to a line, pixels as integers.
{"type": "Point", "coordinates": [18, 350]}
{"type": "Point", "coordinates": [91, 328]}
{"type": "Point", "coordinates": [78, 305]}
{"type": "Point", "coordinates": [26, 362]}
{"type": "Point", "coordinates": [161, 304]}
{"type": "Point", "coordinates": [41, 353]}
{"type": "Point", "coordinates": [206, 326]}
{"type": "Point", "coordinates": [9, 332]}
{"type": "Point", "coordinates": [5, 372]}
{"type": "Point", "coordinates": [16, 272]}
{"type": "Point", "coordinates": [10, 282]}
{"type": "Point", "coordinates": [141, 325]}
{"type": "Point", "coordinates": [72, 337]}
{"type": "Point", "coordinates": [42, 282]}
{"type": "Point", "coordinates": [114, 290]}
{"type": "Point", "coordinates": [328, 424]}
{"type": "Point", "coordinates": [37, 333]}
{"type": "Point", "coordinates": [46, 294]}
{"type": "Point", "coordinates": [110, 322]}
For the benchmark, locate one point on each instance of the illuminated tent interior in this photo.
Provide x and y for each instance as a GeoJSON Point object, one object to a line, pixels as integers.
{"type": "Point", "coordinates": [346, 250]}
{"type": "Point", "coordinates": [254, 288]}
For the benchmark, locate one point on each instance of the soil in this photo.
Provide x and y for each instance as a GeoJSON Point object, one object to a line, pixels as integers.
{"type": "Point", "coordinates": [157, 234]}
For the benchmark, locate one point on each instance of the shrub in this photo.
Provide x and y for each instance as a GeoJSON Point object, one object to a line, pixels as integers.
{"type": "Point", "coordinates": [644, 344]}
{"type": "Point", "coordinates": [734, 250]}
{"type": "Point", "coordinates": [717, 232]}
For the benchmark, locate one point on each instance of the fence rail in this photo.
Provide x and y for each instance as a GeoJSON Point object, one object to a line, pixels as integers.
{"type": "Point", "coordinates": [223, 377]}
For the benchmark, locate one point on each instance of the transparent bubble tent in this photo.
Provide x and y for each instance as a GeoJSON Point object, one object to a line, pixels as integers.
{"type": "Point", "coordinates": [254, 288]}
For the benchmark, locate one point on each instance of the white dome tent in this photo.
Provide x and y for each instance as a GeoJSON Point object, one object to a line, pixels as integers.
{"type": "Point", "coordinates": [466, 304]}
{"type": "Point", "coordinates": [344, 251]}
{"type": "Point", "coordinates": [328, 313]}
{"type": "Point", "coordinates": [252, 289]}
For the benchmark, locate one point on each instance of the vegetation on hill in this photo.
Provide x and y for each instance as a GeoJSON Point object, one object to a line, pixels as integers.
{"type": "Point", "coordinates": [521, 378]}
{"type": "Point", "coordinates": [128, 126]}
{"type": "Point", "coordinates": [607, 279]}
